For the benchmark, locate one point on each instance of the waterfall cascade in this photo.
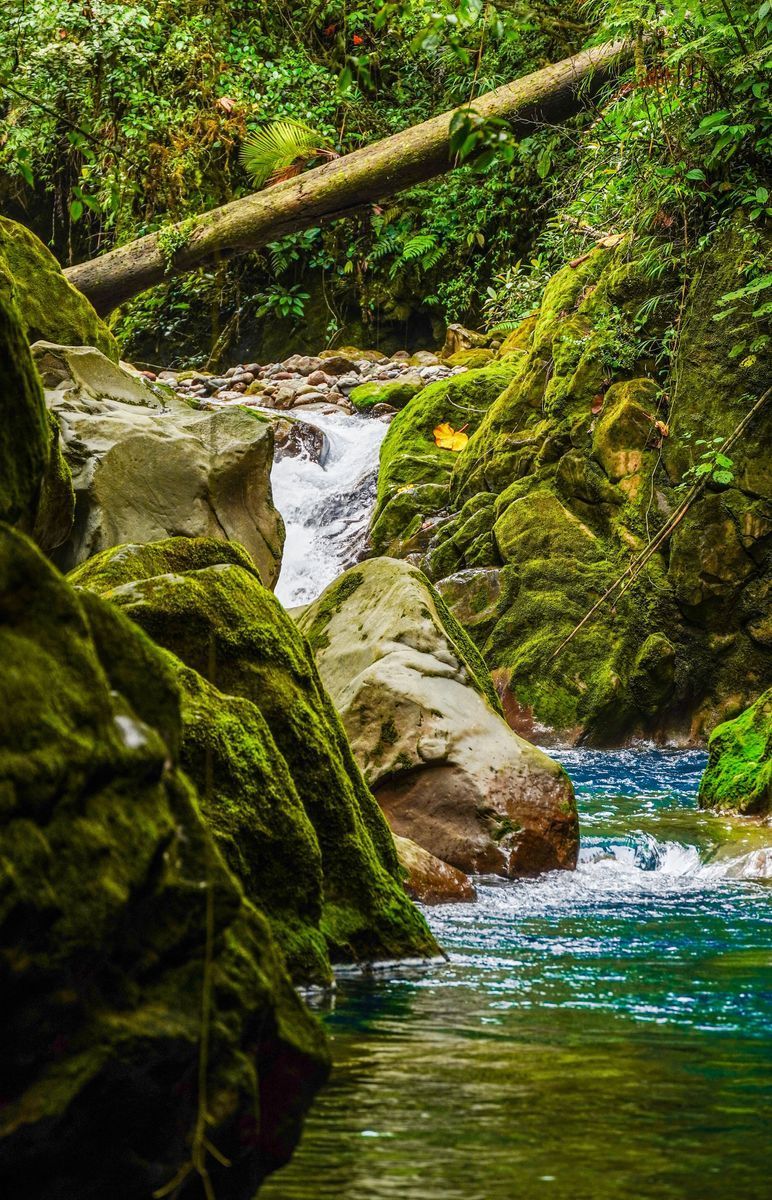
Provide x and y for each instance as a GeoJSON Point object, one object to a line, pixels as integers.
{"type": "Point", "coordinates": [326, 504]}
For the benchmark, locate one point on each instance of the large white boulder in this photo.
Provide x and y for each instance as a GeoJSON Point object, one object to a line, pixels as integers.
{"type": "Point", "coordinates": [426, 728]}
{"type": "Point", "coordinates": [147, 466]}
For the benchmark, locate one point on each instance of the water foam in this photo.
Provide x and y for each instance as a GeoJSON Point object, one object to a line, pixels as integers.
{"type": "Point", "coordinates": [326, 506]}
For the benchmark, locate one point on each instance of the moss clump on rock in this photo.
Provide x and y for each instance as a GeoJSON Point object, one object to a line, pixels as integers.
{"type": "Point", "coordinates": [246, 792]}
{"type": "Point", "coordinates": [103, 845]}
{"type": "Point", "coordinates": [738, 777]}
{"type": "Point", "coordinates": [414, 472]}
{"type": "Point", "coordinates": [223, 625]}
{"type": "Point", "coordinates": [35, 483]}
{"type": "Point", "coordinates": [396, 392]}
{"type": "Point", "coordinates": [52, 309]}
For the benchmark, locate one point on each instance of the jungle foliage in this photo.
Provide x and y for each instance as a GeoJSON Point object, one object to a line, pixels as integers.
{"type": "Point", "coordinates": [118, 119]}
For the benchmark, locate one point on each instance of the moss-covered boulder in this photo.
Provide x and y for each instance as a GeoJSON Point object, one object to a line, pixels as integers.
{"type": "Point", "coordinates": [145, 465]}
{"type": "Point", "coordinates": [414, 475]}
{"type": "Point", "coordinates": [426, 727]}
{"type": "Point", "coordinates": [35, 484]}
{"type": "Point", "coordinates": [567, 476]}
{"type": "Point", "coordinates": [738, 777]}
{"type": "Point", "coordinates": [123, 934]}
{"type": "Point", "coordinates": [51, 308]}
{"type": "Point", "coordinates": [395, 392]}
{"type": "Point", "coordinates": [275, 727]}
{"type": "Point", "coordinates": [471, 359]}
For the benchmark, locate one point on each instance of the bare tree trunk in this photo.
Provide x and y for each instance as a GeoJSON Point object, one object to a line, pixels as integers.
{"type": "Point", "coordinates": [343, 185]}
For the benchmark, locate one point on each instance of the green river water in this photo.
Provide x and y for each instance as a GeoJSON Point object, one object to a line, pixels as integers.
{"type": "Point", "coordinates": [595, 1035]}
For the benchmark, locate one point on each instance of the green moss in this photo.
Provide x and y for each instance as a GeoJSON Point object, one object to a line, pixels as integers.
{"type": "Point", "coordinates": [573, 476]}
{"type": "Point", "coordinates": [738, 776]}
{"type": "Point", "coordinates": [35, 482]}
{"type": "Point", "coordinates": [24, 431]}
{"type": "Point", "coordinates": [53, 311]}
{"type": "Point", "coordinates": [472, 359]}
{"type": "Point", "coordinates": [396, 392]}
{"type": "Point", "coordinates": [126, 564]}
{"type": "Point", "coordinates": [466, 649]}
{"type": "Point", "coordinates": [409, 457]}
{"type": "Point", "coordinates": [388, 737]}
{"type": "Point", "coordinates": [222, 624]}
{"type": "Point", "coordinates": [333, 601]}
{"type": "Point", "coordinates": [104, 845]}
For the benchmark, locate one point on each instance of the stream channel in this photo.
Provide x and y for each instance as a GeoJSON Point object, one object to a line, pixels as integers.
{"type": "Point", "coordinates": [601, 1034]}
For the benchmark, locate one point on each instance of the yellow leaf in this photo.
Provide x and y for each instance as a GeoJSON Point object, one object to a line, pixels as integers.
{"type": "Point", "coordinates": [448, 438]}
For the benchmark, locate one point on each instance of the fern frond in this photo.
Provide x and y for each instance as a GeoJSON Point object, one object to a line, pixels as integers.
{"type": "Point", "coordinates": [432, 258]}
{"type": "Point", "coordinates": [504, 327]}
{"type": "Point", "coordinates": [281, 149]}
{"type": "Point", "coordinates": [418, 245]}
{"type": "Point", "coordinates": [387, 243]}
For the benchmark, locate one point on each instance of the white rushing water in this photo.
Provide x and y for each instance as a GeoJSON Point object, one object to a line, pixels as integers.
{"type": "Point", "coordinates": [326, 506]}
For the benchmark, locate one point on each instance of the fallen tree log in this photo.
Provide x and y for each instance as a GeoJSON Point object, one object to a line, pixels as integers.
{"type": "Point", "coordinates": [339, 187]}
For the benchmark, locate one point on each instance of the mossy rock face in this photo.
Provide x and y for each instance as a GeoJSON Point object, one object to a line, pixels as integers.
{"type": "Point", "coordinates": [396, 392]}
{"type": "Point", "coordinates": [738, 777]}
{"type": "Point", "coordinates": [223, 625]}
{"type": "Point", "coordinates": [35, 483]}
{"type": "Point", "coordinates": [410, 459]}
{"type": "Point", "coordinates": [111, 875]}
{"type": "Point", "coordinates": [624, 430]}
{"type": "Point", "coordinates": [426, 727]}
{"type": "Point", "coordinates": [246, 792]}
{"type": "Point", "coordinates": [575, 466]}
{"type": "Point", "coordinates": [52, 309]}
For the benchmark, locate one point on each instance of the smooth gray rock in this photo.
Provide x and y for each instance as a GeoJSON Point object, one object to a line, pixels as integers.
{"type": "Point", "coordinates": [147, 466]}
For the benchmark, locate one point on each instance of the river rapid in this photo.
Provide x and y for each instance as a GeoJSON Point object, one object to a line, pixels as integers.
{"type": "Point", "coordinates": [594, 1035]}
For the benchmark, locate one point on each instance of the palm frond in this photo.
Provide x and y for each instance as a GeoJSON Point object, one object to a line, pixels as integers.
{"type": "Point", "coordinates": [281, 149]}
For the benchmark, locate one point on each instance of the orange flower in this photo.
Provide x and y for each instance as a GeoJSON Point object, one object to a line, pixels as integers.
{"type": "Point", "coordinates": [358, 41]}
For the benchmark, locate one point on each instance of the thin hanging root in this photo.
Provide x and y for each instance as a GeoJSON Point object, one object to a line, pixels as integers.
{"type": "Point", "coordinates": [201, 1145]}
{"type": "Point", "coordinates": [633, 570]}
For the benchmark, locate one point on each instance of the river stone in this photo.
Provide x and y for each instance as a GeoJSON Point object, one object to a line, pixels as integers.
{"type": "Point", "coordinates": [110, 877]}
{"type": "Point", "coordinates": [429, 880]}
{"type": "Point", "coordinates": [145, 465]}
{"type": "Point", "coordinates": [425, 725]}
{"type": "Point", "coordinates": [335, 363]}
{"type": "Point", "coordinates": [297, 439]}
{"type": "Point", "coordinates": [458, 338]}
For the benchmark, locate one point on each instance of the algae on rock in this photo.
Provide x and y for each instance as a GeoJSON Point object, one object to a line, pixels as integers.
{"type": "Point", "coordinates": [35, 484]}
{"type": "Point", "coordinates": [414, 472]}
{"type": "Point", "coordinates": [51, 308]}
